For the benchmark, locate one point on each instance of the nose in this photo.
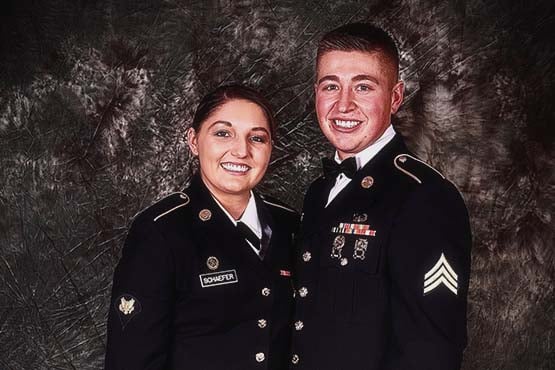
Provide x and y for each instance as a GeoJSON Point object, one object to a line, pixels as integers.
{"type": "Point", "coordinates": [240, 148]}
{"type": "Point", "coordinates": [345, 102]}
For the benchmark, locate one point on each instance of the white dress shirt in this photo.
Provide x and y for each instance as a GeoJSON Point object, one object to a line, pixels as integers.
{"type": "Point", "coordinates": [249, 218]}
{"type": "Point", "coordinates": [362, 157]}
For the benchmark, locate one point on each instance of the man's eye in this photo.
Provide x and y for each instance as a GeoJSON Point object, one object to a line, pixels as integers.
{"type": "Point", "coordinates": [331, 88]}
{"type": "Point", "coordinates": [363, 88]}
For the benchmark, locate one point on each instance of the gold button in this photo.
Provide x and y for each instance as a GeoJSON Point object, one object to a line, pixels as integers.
{"type": "Point", "coordinates": [344, 261]}
{"type": "Point", "coordinates": [303, 292]}
{"type": "Point", "coordinates": [260, 357]}
{"type": "Point", "coordinates": [307, 256]}
{"type": "Point", "coordinates": [265, 292]}
{"type": "Point", "coordinates": [299, 325]}
{"type": "Point", "coordinates": [295, 359]}
{"type": "Point", "coordinates": [262, 323]}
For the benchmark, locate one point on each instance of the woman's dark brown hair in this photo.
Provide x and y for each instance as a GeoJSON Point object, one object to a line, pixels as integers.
{"type": "Point", "coordinates": [215, 99]}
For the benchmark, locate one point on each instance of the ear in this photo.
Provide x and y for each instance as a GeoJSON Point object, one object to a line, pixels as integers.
{"type": "Point", "coordinates": [192, 141]}
{"type": "Point", "coordinates": [397, 95]}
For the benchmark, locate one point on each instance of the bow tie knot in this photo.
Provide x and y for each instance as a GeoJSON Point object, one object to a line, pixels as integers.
{"type": "Point", "coordinates": [332, 169]}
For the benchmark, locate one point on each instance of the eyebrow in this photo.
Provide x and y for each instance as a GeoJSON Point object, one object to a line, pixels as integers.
{"type": "Point", "coordinates": [229, 124]}
{"type": "Point", "coordinates": [226, 123]}
{"type": "Point", "coordinates": [355, 78]}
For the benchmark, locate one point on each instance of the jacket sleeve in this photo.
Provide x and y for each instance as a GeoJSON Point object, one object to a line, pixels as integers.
{"type": "Point", "coordinates": [429, 265]}
{"type": "Point", "coordinates": [140, 312]}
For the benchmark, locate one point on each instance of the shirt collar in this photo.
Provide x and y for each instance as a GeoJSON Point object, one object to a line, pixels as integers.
{"type": "Point", "coordinates": [249, 216]}
{"type": "Point", "coordinates": [364, 156]}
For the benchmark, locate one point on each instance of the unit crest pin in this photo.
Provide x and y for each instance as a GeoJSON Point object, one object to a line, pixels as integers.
{"type": "Point", "coordinates": [367, 182]}
{"type": "Point", "coordinates": [212, 263]}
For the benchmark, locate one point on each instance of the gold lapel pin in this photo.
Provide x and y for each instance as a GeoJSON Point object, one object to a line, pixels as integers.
{"type": "Point", "coordinates": [212, 263]}
{"type": "Point", "coordinates": [205, 215]}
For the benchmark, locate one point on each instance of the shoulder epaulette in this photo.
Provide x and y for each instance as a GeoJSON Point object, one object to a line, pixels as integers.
{"type": "Point", "coordinates": [277, 204]}
{"type": "Point", "coordinates": [407, 164]}
{"type": "Point", "coordinates": [183, 200]}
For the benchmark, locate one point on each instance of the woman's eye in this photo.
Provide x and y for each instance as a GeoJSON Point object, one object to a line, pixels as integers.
{"type": "Point", "coordinates": [222, 133]}
{"type": "Point", "coordinates": [259, 139]}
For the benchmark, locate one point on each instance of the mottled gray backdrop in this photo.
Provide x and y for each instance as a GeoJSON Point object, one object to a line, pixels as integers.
{"type": "Point", "coordinates": [95, 98]}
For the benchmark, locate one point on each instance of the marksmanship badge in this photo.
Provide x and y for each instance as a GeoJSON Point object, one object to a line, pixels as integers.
{"type": "Point", "coordinates": [337, 247]}
{"type": "Point", "coordinates": [361, 245]}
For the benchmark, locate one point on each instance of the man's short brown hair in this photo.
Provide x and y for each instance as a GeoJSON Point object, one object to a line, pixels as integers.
{"type": "Point", "coordinates": [363, 37]}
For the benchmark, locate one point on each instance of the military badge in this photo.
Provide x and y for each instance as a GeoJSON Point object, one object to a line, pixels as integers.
{"type": "Point", "coordinates": [441, 273]}
{"type": "Point", "coordinates": [361, 245]}
{"type": "Point", "coordinates": [205, 215]}
{"type": "Point", "coordinates": [356, 229]}
{"type": "Point", "coordinates": [367, 182]}
{"type": "Point", "coordinates": [212, 263]}
{"type": "Point", "coordinates": [337, 247]}
{"type": "Point", "coordinates": [360, 217]}
{"type": "Point", "coordinates": [127, 308]}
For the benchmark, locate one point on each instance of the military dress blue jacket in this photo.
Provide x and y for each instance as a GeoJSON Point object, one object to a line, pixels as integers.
{"type": "Point", "coordinates": [189, 293]}
{"type": "Point", "coordinates": [383, 270]}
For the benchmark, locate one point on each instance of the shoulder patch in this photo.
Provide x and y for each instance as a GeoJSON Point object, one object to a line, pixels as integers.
{"type": "Point", "coordinates": [406, 164]}
{"type": "Point", "coordinates": [184, 200]}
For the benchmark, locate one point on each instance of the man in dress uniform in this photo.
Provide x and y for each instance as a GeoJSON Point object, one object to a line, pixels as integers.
{"type": "Point", "coordinates": [384, 250]}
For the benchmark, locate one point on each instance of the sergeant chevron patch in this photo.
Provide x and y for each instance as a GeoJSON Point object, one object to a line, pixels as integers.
{"type": "Point", "coordinates": [441, 273]}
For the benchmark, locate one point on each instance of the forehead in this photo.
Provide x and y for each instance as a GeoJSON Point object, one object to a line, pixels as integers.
{"type": "Point", "coordinates": [347, 63]}
{"type": "Point", "coordinates": [240, 112]}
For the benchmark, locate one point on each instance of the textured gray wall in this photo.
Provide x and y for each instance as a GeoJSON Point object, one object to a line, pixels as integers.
{"type": "Point", "coordinates": [95, 97]}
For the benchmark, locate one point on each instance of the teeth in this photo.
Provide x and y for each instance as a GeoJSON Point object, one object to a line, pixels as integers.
{"type": "Point", "coordinates": [346, 124]}
{"type": "Point", "coordinates": [235, 167]}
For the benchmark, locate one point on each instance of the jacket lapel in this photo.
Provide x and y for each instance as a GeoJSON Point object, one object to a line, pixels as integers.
{"type": "Point", "coordinates": [364, 189]}
{"type": "Point", "coordinates": [218, 231]}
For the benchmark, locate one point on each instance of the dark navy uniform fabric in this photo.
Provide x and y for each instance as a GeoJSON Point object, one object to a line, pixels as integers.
{"type": "Point", "coordinates": [383, 270]}
{"type": "Point", "coordinates": [190, 293]}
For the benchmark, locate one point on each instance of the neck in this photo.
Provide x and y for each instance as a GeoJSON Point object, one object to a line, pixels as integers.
{"type": "Point", "coordinates": [235, 205]}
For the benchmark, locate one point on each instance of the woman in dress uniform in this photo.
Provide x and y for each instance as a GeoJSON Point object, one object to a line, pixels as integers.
{"type": "Point", "coordinates": [204, 281]}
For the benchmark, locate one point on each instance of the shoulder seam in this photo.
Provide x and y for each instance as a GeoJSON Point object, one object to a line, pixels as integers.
{"type": "Point", "coordinates": [183, 196]}
{"type": "Point", "coordinates": [279, 206]}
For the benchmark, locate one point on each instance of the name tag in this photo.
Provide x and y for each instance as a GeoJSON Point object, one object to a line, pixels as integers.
{"type": "Point", "coordinates": [218, 278]}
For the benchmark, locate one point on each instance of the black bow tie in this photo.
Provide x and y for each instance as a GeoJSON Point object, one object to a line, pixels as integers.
{"type": "Point", "coordinates": [348, 167]}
